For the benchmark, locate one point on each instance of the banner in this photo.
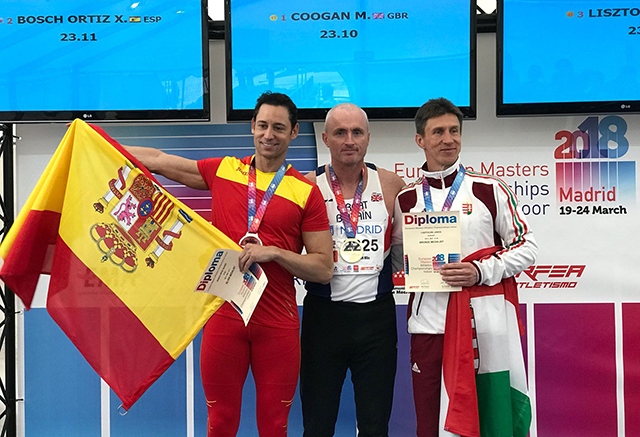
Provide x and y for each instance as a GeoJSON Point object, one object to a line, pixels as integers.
{"type": "Point", "coordinates": [124, 257]}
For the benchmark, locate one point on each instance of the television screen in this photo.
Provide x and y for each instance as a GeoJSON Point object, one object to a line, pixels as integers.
{"type": "Point", "coordinates": [387, 57]}
{"type": "Point", "coordinates": [131, 60]}
{"type": "Point", "coordinates": [568, 56]}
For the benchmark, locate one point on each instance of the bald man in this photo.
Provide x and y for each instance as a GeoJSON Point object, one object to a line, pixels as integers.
{"type": "Point", "coordinates": [350, 323]}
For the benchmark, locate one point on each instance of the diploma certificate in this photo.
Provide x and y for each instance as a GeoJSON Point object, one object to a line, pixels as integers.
{"type": "Point", "coordinates": [430, 240]}
{"type": "Point", "coordinates": [224, 279]}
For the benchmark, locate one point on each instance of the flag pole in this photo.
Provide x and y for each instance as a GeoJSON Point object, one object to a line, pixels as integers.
{"type": "Point", "coordinates": [8, 331]}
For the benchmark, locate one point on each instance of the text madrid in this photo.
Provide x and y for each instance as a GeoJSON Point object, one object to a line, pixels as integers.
{"type": "Point", "coordinates": [589, 195]}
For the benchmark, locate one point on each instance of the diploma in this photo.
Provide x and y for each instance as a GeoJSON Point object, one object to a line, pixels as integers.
{"type": "Point", "coordinates": [224, 279]}
{"type": "Point", "coordinates": [430, 240]}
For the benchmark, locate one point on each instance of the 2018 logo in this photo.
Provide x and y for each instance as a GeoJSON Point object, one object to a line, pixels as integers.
{"type": "Point", "coordinates": [589, 168]}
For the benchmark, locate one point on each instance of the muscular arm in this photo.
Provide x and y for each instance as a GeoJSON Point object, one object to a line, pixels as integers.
{"type": "Point", "coordinates": [316, 265]}
{"type": "Point", "coordinates": [182, 170]}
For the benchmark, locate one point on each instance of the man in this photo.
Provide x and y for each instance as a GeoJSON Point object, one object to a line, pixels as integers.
{"type": "Point", "coordinates": [491, 219]}
{"type": "Point", "coordinates": [350, 323]}
{"type": "Point", "coordinates": [294, 218]}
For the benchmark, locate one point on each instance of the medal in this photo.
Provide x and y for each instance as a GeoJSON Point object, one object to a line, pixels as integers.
{"type": "Point", "coordinates": [250, 238]}
{"type": "Point", "coordinates": [254, 217]}
{"type": "Point", "coordinates": [351, 250]}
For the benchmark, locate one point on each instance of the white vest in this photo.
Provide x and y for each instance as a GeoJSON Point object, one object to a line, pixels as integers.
{"type": "Point", "coordinates": [358, 282]}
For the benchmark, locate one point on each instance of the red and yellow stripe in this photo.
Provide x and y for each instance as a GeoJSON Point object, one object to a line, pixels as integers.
{"type": "Point", "coordinates": [130, 324]}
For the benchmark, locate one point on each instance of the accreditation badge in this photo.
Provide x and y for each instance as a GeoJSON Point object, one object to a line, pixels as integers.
{"type": "Point", "coordinates": [351, 250]}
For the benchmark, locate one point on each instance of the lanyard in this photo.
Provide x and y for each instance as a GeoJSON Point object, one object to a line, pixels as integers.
{"type": "Point", "coordinates": [453, 190]}
{"type": "Point", "coordinates": [350, 222]}
{"type": "Point", "coordinates": [254, 218]}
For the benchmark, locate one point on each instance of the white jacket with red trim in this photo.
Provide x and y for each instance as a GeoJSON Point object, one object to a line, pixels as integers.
{"type": "Point", "coordinates": [489, 216]}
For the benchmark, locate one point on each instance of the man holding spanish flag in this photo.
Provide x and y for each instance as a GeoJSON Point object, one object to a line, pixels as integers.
{"type": "Point", "coordinates": [273, 212]}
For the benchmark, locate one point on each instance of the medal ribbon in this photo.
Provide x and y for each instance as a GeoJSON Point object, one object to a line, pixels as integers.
{"type": "Point", "coordinates": [254, 218]}
{"type": "Point", "coordinates": [350, 222]}
{"type": "Point", "coordinates": [453, 190]}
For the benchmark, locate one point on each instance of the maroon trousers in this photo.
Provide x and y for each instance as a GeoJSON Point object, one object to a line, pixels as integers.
{"type": "Point", "coordinates": [426, 366]}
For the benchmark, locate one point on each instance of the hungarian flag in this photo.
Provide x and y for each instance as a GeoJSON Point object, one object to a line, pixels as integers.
{"type": "Point", "coordinates": [124, 257]}
{"type": "Point", "coordinates": [485, 383]}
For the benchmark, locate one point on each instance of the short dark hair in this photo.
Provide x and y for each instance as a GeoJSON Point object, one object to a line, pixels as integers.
{"type": "Point", "coordinates": [435, 108]}
{"type": "Point", "coordinates": [277, 99]}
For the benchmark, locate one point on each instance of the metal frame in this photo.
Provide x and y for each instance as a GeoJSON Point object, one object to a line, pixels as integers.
{"type": "Point", "coordinates": [7, 300]}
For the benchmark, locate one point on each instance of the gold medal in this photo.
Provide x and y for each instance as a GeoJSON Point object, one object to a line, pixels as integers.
{"type": "Point", "coordinates": [351, 250]}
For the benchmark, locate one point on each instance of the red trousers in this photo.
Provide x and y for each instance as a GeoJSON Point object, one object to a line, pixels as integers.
{"type": "Point", "coordinates": [228, 349]}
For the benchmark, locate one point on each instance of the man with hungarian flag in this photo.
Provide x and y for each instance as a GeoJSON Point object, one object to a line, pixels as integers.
{"type": "Point", "coordinates": [466, 357]}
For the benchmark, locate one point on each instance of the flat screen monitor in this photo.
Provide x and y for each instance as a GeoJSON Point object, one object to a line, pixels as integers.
{"type": "Point", "coordinates": [134, 60]}
{"type": "Point", "coordinates": [387, 57]}
{"type": "Point", "coordinates": [568, 57]}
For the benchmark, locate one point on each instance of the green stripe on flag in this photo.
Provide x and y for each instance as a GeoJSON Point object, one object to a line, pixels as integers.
{"type": "Point", "coordinates": [504, 411]}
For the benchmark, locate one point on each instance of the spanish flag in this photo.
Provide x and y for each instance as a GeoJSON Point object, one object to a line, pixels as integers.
{"type": "Point", "coordinates": [124, 257]}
